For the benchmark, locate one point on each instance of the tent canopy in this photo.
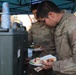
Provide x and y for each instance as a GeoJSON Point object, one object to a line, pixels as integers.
{"type": "Point", "coordinates": [23, 6]}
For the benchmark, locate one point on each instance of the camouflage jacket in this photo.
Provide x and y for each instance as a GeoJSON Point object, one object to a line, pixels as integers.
{"type": "Point", "coordinates": [42, 35]}
{"type": "Point", "coordinates": [65, 39]}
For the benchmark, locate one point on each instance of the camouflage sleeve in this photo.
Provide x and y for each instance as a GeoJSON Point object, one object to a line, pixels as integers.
{"type": "Point", "coordinates": [68, 66]}
{"type": "Point", "coordinates": [30, 36]}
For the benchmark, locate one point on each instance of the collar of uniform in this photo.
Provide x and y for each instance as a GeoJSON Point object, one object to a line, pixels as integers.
{"type": "Point", "coordinates": [59, 28]}
{"type": "Point", "coordinates": [65, 16]}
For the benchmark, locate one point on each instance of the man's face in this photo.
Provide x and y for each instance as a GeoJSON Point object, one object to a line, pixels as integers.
{"type": "Point", "coordinates": [50, 20]}
{"type": "Point", "coordinates": [34, 12]}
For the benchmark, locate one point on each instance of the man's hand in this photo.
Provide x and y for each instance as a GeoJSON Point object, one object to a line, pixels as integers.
{"type": "Point", "coordinates": [27, 60]}
{"type": "Point", "coordinates": [47, 64]}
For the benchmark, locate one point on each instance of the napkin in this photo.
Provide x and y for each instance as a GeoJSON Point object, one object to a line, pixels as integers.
{"type": "Point", "coordinates": [37, 69]}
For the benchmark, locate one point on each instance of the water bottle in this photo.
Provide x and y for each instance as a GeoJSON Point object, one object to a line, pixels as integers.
{"type": "Point", "coordinates": [5, 16]}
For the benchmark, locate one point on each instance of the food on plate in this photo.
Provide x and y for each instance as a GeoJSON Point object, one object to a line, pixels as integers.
{"type": "Point", "coordinates": [37, 46]}
{"type": "Point", "coordinates": [37, 61]}
{"type": "Point", "coordinates": [50, 59]}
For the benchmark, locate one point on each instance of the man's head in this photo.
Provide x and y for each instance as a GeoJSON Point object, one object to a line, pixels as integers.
{"type": "Point", "coordinates": [34, 9]}
{"type": "Point", "coordinates": [49, 12]}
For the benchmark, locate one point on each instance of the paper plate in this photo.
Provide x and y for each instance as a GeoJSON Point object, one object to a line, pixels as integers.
{"type": "Point", "coordinates": [42, 58]}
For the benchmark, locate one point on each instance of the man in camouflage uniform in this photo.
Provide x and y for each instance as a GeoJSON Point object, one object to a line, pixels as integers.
{"type": "Point", "coordinates": [65, 37]}
{"type": "Point", "coordinates": [41, 35]}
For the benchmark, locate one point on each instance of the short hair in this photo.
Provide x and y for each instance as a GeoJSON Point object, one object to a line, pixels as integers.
{"type": "Point", "coordinates": [45, 7]}
{"type": "Point", "coordinates": [34, 6]}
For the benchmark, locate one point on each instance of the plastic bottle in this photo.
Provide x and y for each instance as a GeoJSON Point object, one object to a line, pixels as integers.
{"type": "Point", "coordinates": [5, 16]}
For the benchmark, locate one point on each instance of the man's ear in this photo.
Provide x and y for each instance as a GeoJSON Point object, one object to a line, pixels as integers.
{"type": "Point", "coordinates": [50, 15]}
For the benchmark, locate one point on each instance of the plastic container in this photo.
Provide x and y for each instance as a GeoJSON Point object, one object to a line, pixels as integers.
{"type": "Point", "coordinates": [5, 16]}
